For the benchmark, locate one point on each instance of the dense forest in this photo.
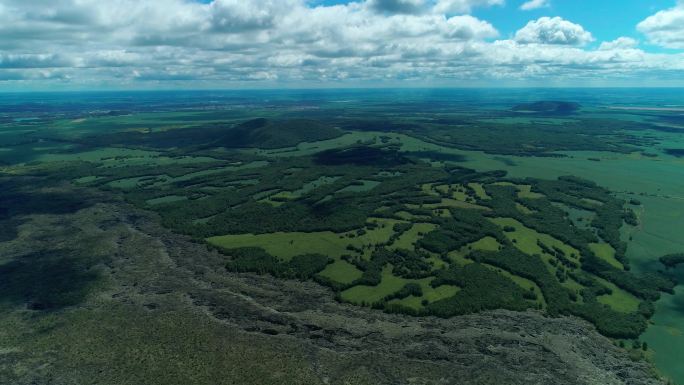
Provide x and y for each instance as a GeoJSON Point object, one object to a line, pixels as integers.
{"type": "Point", "coordinates": [349, 203]}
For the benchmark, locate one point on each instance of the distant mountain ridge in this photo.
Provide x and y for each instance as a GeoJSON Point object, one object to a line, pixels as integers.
{"type": "Point", "coordinates": [549, 107]}
{"type": "Point", "coordinates": [266, 133]}
{"type": "Point", "coordinates": [260, 132]}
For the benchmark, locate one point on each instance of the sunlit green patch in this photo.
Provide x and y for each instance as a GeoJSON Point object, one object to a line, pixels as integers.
{"type": "Point", "coordinates": [388, 174]}
{"type": "Point", "coordinates": [285, 245]}
{"type": "Point", "coordinates": [360, 186]}
{"type": "Point", "coordinates": [524, 209]}
{"type": "Point", "coordinates": [455, 191]}
{"type": "Point", "coordinates": [619, 299]}
{"type": "Point", "coordinates": [580, 218]}
{"type": "Point", "coordinates": [166, 199]}
{"type": "Point", "coordinates": [213, 171]}
{"type": "Point", "coordinates": [446, 203]}
{"type": "Point", "coordinates": [522, 282]}
{"type": "Point", "coordinates": [310, 148]}
{"type": "Point", "coordinates": [574, 286]}
{"type": "Point", "coordinates": [479, 190]}
{"type": "Point", "coordinates": [411, 217]}
{"type": "Point", "coordinates": [605, 252]}
{"type": "Point", "coordinates": [263, 194]}
{"type": "Point", "coordinates": [139, 182]}
{"type": "Point", "coordinates": [428, 188]}
{"type": "Point", "coordinates": [87, 179]}
{"type": "Point", "coordinates": [524, 190]}
{"type": "Point", "coordinates": [341, 271]}
{"type": "Point", "coordinates": [459, 257]}
{"type": "Point", "coordinates": [389, 284]}
{"type": "Point", "coordinates": [100, 155]}
{"type": "Point", "coordinates": [413, 235]}
{"type": "Point", "coordinates": [592, 202]}
{"type": "Point", "coordinates": [430, 294]}
{"type": "Point", "coordinates": [278, 198]}
{"type": "Point", "coordinates": [52, 148]}
{"type": "Point", "coordinates": [526, 239]}
{"type": "Point", "coordinates": [485, 244]}
{"type": "Point", "coordinates": [122, 157]}
{"type": "Point", "coordinates": [437, 262]}
{"type": "Point", "coordinates": [528, 120]}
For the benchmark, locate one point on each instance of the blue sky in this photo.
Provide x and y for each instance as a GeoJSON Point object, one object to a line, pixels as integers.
{"type": "Point", "coordinates": [151, 44]}
{"type": "Point", "coordinates": [606, 19]}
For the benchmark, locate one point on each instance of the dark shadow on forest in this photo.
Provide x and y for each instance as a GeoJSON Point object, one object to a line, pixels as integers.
{"type": "Point", "coordinates": [360, 156]}
{"type": "Point", "coordinates": [15, 203]}
{"type": "Point", "coordinates": [678, 152]}
{"type": "Point", "coordinates": [48, 280]}
{"type": "Point", "coordinates": [438, 156]}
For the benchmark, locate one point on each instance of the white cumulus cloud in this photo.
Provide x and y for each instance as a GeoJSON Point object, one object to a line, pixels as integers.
{"type": "Point", "coordinates": [665, 28]}
{"type": "Point", "coordinates": [463, 6]}
{"type": "Point", "coordinates": [553, 30]}
{"type": "Point", "coordinates": [144, 43]}
{"type": "Point", "coordinates": [534, 4]}
{"type": "Point", "coordinates": [619, 43]}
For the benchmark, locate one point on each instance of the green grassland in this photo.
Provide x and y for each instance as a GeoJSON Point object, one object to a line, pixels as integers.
{"type": "Point", "coordinates": [286, 245]}
{"type": "Point", "coordinates": [389, 284]}
{"type": "Point", "coordinates": [605, 252]}
{"type": "Point", "coordinates": [527, 240]}
{"type": "Point", "coordinates": [430, 294]}
{"type": "Point", "coordinates": [341, 271]}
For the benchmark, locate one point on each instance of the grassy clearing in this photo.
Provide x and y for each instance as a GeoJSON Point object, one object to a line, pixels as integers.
{"type": "Point", "coordinates": [619, 300]}
{"type": "Point", "coordinates": [166, 199]}
{"type": "Point", "coordinates": [287, 245]}
{"type": "Point", "coordinates": [87, 179]}
{"type": "Point", "coordinates": [580, 218]}
{"type": "Point", "coordinates": [479, 190]}
{"type": "Point", "coordinates": [524, 190]}
{"type": "Point", "coordinates": [528, 120]}
{"type": "Point", "coordinates": [526, 239]}
{"type": "Point", "coordinates": [232, 167]}
{"type": "Point", "coordinates": [430, 294]}
{"type": "Point", "coordinates": [361, 186]}
{"type": "Point", "coordinates": [453, 192]}
{"type": "Point", "coordinates": [407, 240]}
{"type": "Point", "coordinates": [391, 284]}
{"type": "Point", "coordinates": [122, 157]}
{"type": "Point", "coordinates": [138, 182]}
{"type": "Point", "coordinates": [524, 209]}
{"type": "Point", "coordinates": [574, 286]}
{"type": "Point", "coordinates": [522, 282]}
{"type": "Point", "coordinates": [342, 272]}
{"type": "Point", "coordinates": [448, 202]}
{"type": "Point", "coordinates": [369, 294]}
{"type": "Point", "coordinates": [411, 217]}
{"type": "Point", "coordinates": [484, 244]}
{"type": "Point", "coordinates": [305, 189]}
{"type": "Point", "coordinates": [309, 148]}
{"type": "Point", "coordinates": [459, 257]}
{"type": "Point", "coordinates": [605, 252]}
